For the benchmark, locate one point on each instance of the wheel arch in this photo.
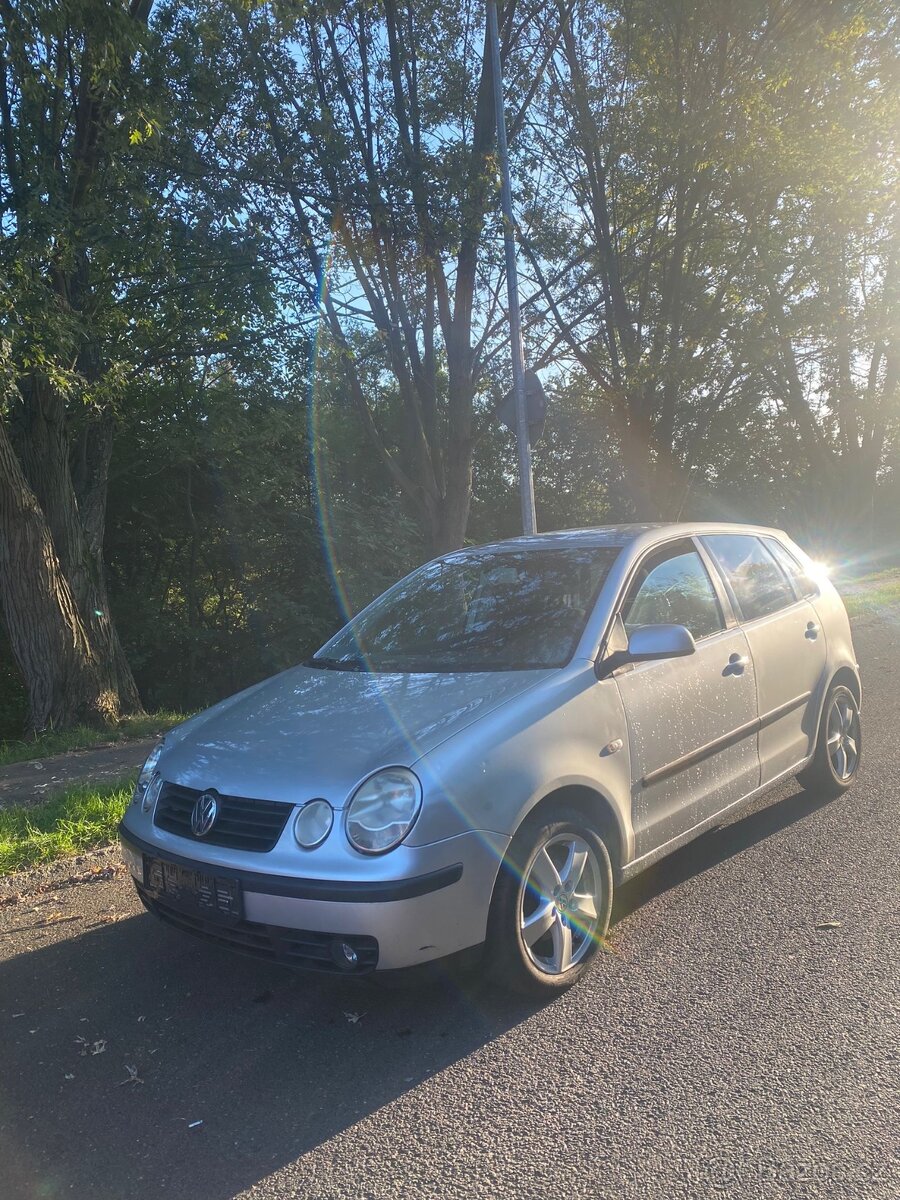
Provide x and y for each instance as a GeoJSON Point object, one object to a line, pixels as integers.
{"type": "Point", "coordinates": [849, 678]}
{"type": "Point", "coordinates": [845, 675]}
{"type": "Point", "coordinates": [598, 809]}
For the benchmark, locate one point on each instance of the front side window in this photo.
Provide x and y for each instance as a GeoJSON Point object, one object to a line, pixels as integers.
{"type": "Point", "coordinates": [477, 611]}
{"type": "Point", "coordinates": [676, 591]}
{"type": "Point", "coordinates": [759, 584]}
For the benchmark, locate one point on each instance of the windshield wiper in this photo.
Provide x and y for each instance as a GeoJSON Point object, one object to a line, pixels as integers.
{"type": "Point", "coordinates": [337, 664]}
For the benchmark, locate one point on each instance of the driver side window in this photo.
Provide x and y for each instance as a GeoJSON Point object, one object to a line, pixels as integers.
{"type": "Point", "coordinates": [675, 590]}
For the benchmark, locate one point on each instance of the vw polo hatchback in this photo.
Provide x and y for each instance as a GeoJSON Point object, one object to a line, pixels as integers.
{"type": "Point", "coordinates": [475, 761]}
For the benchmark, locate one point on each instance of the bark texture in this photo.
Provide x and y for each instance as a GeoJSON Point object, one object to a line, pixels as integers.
{"type": "Point", "coordinates": [64, 680]}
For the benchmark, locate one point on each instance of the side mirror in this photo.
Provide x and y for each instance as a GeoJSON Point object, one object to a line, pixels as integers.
{"type": "Point", "coordinates": [660, 641]}
{"type": "Point", "coordinates": [647, 643]}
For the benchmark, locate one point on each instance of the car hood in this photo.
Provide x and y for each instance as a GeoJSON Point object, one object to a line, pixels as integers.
{"type": "Point", "coordinates": [311, 732]}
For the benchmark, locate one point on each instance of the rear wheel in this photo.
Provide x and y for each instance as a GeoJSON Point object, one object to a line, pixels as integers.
{"type": "Point", "coordinates": [551, 904]}
{"type": "Point", "coordinates": [836, 761]}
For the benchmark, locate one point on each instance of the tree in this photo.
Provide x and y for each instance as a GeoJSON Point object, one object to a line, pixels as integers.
{"type": "Point", "coordinates": [825, 260]}
{"type": "Point", "coordinates": [64, 76]}
{"type": "Point", "coordinates": [699, 154]}
{"type": "Point", "coordinates": [116, 262]}
{"type": "Point", "coordinates": [377, 137]}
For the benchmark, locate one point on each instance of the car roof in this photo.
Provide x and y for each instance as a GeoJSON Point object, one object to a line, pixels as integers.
{"type": "Point", "coordinates": [623, 535]}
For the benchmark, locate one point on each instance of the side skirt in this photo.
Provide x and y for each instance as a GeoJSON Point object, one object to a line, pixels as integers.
{"type": "Point", "coordinates": [647, 860]}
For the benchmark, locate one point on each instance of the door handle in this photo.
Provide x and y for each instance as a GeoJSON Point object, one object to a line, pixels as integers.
{"type": "Point", "coordinates": [812, 631]}
{"type": "Point", "coordinates": [736, 664]}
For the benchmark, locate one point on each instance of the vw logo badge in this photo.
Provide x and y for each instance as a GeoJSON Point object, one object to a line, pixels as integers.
{"type": "Point", "coordinates": [204, 815]}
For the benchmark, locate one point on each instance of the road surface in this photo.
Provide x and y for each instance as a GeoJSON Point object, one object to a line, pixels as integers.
{"type": "Point", "coordinates": [730, 1047]}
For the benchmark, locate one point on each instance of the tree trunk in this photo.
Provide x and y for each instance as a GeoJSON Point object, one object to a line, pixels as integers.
{"type": "Point", "coordinates": [451, 514]}
{"type": "Point", "coordinates": [77, 528]}
{"type": "Point", "coordinates": [64, 681]}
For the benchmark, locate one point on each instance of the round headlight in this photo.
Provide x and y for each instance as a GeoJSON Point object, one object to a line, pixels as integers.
{"type": "Point", "coordinates": [146, 775]}
{"type": "Point", "coordinates": [312, 823]}
{"type": "Point", "coordinates": [151, 793]}
{"type": "Point", "coordinates": [383, 810]}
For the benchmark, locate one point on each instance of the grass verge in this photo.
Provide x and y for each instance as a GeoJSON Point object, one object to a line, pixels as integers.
{"type": "Point", "coordinates": [84, 738]}
{"type": "Point", "coordinates": [873, 593]}
{"type": "Point", "coordinates": [79, 819]}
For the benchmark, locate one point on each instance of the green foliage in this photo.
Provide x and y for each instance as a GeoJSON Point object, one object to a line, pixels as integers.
{"type": "Point", "coordinates": [873, 594]}
{"type": "Point", "coordinates": [747, 158]}
{"type": "Point", "coordinates": [81, 737]}
{"type": "Point", "coordinates": [219, 571]}
{"type": "Point", "coordinates": [77, 820]}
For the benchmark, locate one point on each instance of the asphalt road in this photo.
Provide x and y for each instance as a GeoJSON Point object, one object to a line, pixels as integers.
{"type": "Point", "coordinates": [728, 1047]}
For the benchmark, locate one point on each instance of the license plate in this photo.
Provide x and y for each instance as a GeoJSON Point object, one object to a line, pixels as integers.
{"type": "Point", "coordinates": [215, 897]}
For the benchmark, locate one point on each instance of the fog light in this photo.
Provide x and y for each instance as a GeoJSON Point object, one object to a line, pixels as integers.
{"type": "Point", "coordinates": [344, 955]}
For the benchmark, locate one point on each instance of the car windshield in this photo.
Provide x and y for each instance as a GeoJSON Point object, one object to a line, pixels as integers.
{"type": "Point", "coordinates": [477, 611]}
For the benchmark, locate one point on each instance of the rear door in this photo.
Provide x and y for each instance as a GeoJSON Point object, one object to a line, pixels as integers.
{"type": "Point", "coordinates": [692, 720]}
{"type": "Point", "coordinates": [787, 645]}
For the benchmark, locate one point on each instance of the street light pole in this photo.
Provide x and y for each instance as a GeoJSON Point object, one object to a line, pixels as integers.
{"type": "Point", "coordinates": [526, 482]}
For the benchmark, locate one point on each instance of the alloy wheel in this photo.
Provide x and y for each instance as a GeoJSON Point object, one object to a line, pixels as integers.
{"type": "Point", "coordinates": [559, 903]}
{"type": "Point", "coordinates": [843, 736]}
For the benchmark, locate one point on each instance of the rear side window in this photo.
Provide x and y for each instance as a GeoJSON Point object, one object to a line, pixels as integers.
{"type": "Point", "coordinates": [759, 584]}
{"type": "Point", "coordinates": [676, 591]}
{"type": "Point", "coordinates": [798, 577]}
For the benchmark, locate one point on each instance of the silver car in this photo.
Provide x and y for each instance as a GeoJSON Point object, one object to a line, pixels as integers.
{"type": "Point", "coordinates": [472, 764]}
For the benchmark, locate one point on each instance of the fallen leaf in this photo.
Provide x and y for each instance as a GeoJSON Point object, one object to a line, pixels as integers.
{"type": "Point", "coordinates": [829, 925]}
{"type": "Point", "coordinates": [354, 1018]}
{"type": "Point", "coordinates": [133, 1076]}
{"type": "Point", "coordinates": [98, 1046]}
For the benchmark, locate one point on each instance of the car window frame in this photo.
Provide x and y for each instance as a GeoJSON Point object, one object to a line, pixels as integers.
{"type": "Point", "coordinates": [682, 546]}
{"type": "Point", "coordinates": [723, 575]}
{"type": "Point", "coordinates": [614, 628]}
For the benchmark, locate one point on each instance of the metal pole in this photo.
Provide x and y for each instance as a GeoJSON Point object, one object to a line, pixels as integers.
{"type": "Point", "coordinates": [526, 483]}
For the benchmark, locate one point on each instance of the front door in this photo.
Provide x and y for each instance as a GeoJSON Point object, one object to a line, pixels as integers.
{"type": "Point", "coordinates": [691, 721]}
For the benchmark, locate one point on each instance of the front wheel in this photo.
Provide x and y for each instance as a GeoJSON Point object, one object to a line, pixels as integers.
{"type": "Point", "coordinates": [551, 904]}
{"type": "Point", "coordinates": [836, 760]}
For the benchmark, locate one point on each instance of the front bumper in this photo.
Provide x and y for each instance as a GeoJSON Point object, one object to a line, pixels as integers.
{"type": "Point", "coordinates": [390, 924]}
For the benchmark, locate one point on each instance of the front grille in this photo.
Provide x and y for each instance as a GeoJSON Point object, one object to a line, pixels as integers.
{"type": "Point", "coordinates": [241, 824]}
{"type": "Point", "coordinates": [302, 948]}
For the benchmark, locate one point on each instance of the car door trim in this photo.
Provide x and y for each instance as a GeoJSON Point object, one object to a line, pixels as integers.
{"type": "Point", "coordinates": [630, 869]}
{"type": "Point", "coordinates": [722, 743]}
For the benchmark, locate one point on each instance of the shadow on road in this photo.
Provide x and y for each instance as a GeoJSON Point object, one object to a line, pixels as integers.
{"type": "Point", "coordinates": [271, 1062]}
{"type": "Point", "coordinates": [716, 847]}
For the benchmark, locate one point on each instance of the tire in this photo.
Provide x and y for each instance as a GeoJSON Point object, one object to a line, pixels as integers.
{"type": "Point", "coordinates": [835, 763]}
{"type": "Point", "coordinates": [551, 904]}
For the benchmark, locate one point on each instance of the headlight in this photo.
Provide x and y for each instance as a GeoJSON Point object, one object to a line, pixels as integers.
{"type": "Point", "coordinates": [383, 810]}
{"type": "Point", "coordinates": [312, 823]}
{"type": "Point", "coordinates": [146, 774]}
